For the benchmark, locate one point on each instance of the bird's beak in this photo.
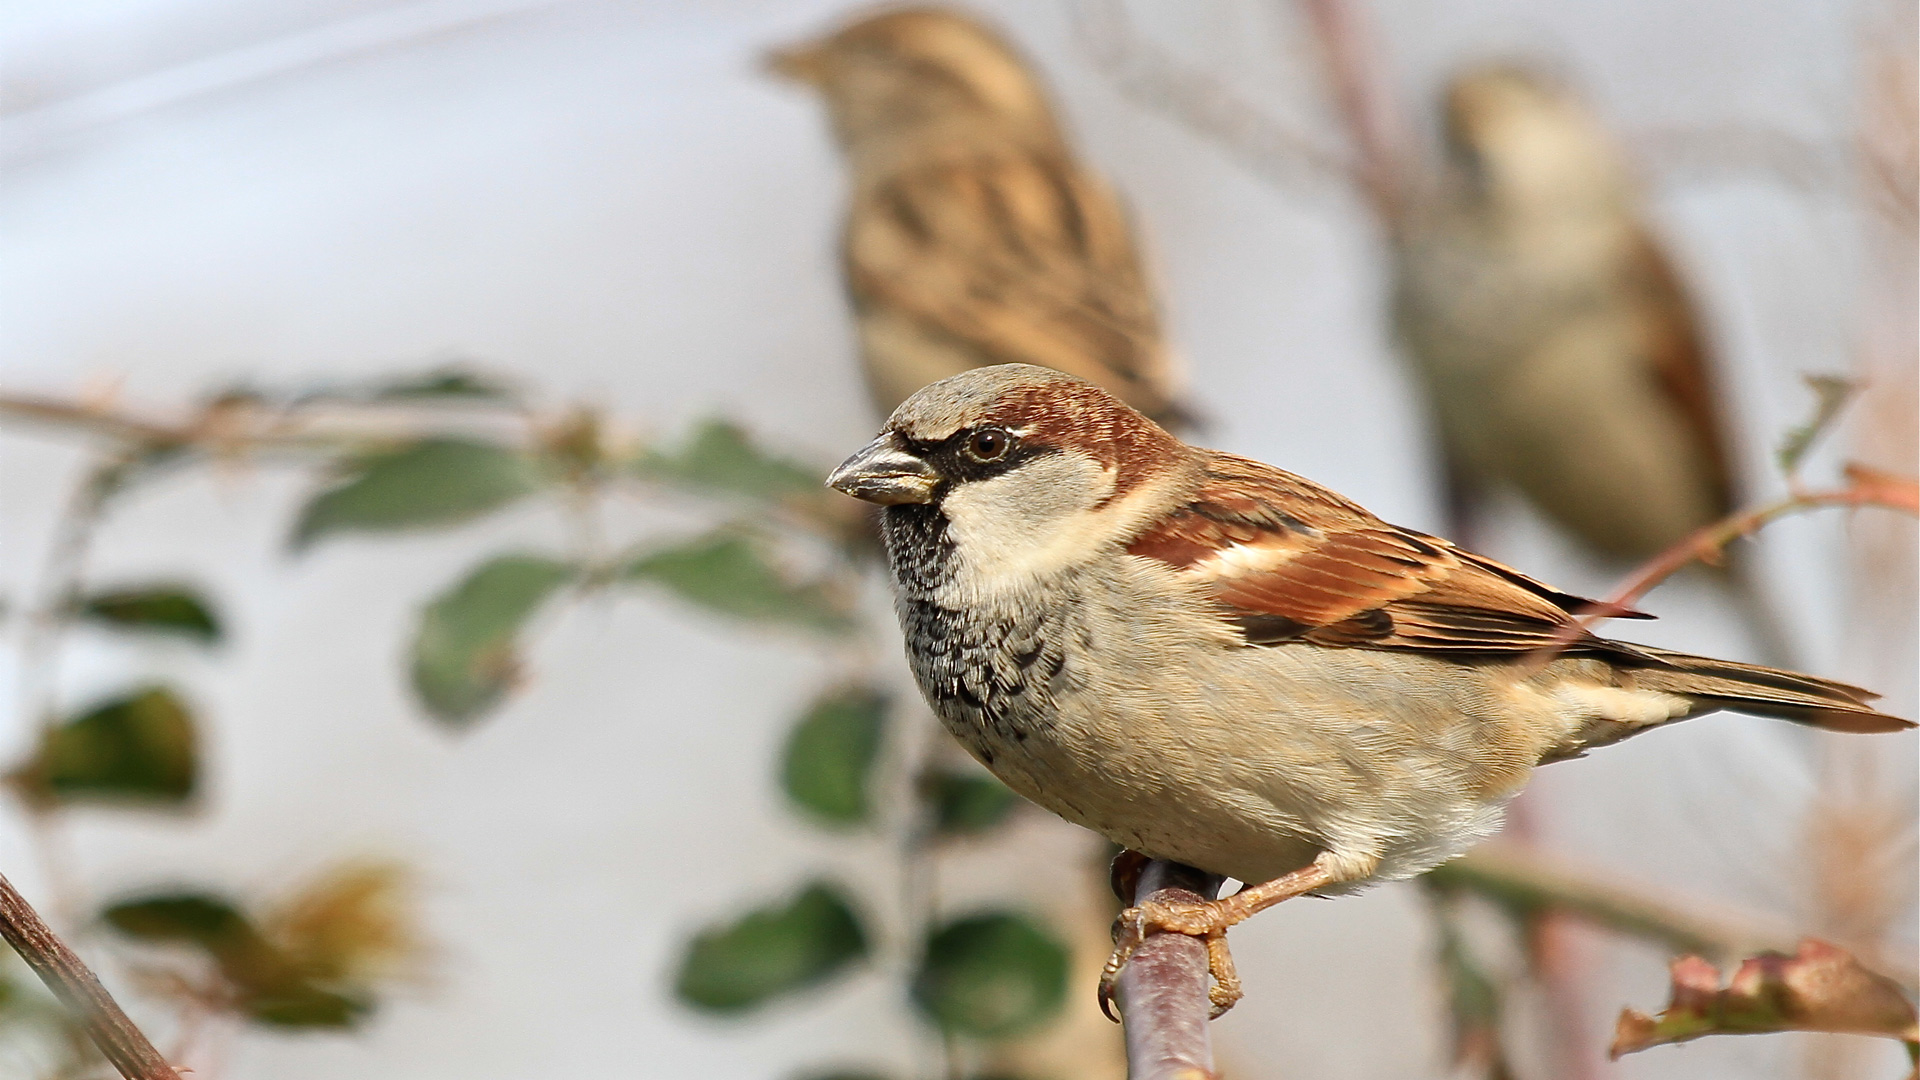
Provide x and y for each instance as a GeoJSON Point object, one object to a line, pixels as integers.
{"type": "Point", "coordinates": [801, 63]}
{"type": "Point", "coordinates": [885, 472]}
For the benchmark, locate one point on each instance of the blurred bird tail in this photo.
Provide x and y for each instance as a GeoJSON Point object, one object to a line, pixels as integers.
{"type": "Point", "coordinates": [1764, 691]}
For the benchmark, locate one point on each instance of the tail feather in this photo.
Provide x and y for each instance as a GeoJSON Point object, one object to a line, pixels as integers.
{"type": "Point", "coordinates": [1764, 691]}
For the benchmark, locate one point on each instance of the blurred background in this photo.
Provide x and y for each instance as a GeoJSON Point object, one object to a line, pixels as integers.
{"type": "Point", "coordinates": [617, 210]}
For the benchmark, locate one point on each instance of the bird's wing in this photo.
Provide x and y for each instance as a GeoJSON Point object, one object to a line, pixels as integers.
{"type": "Point", "coordinates": [1679, 355]}
{"type": "Point", "coordinates": [1287, 560]}
{"type": "Point", "coordinates": [1021, 256]}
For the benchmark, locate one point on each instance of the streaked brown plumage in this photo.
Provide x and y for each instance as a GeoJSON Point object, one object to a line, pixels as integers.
{"type": "Point", "coordinates": [974, 236]}
{"type": "Point", "coordinates": [1210, 660]}
{"type": "Point", "coordinates": [1561, 353]}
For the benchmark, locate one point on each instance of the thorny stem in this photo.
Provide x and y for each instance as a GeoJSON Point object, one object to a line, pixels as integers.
{"type": "Point", "coordinates": [79, 990]}
{"type": "Point", "coordinates": [1866, 487]}
{"type": "Point", "coordinates": [40, 639]}
{"type": "Point", "coordinates": [1525, 882]}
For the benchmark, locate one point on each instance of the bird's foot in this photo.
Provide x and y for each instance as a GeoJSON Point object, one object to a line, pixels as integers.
{"type": "Point", "coordinates": [1207, 920]}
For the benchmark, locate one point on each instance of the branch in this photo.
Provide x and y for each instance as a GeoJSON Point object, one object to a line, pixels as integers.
{"type": "Point", "coordinates": [1152, 77]}
{"type": "Point", "coordinates": [1526, 883]}
{"type": "Point", "coordinates": [1357, 79]}
{"type": "Point", "coordinates": [1865, 487]}
{"type": "Point", "coordinates": [79, 990]}
{"type": "Point", "coordinates": [1163, 988]}
{"type": "Point", "coordinates": [237, 424]}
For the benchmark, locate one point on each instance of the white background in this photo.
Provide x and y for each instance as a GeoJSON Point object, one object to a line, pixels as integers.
{"type": "Point", "coordinates": [610, 200]}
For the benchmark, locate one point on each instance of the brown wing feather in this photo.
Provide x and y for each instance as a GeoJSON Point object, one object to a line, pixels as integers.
{"type": "Point", "coordinates": [1679, 355]}
{"type": "Point", "coordinates": [1020, 255]}
{"type": "Point", "coordinates": [1288, 560]}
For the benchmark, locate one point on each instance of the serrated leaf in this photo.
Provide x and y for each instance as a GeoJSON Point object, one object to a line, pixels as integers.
{"type": "Point", "coordinates": [991, 976]}
{"type": "Point", "coordinates": [1832, 393]}
{"type": "Point", "coordinates": [137, 748]}
{"type": "Point", "coordinates": [269, 986]}
{"type": "Point", "coordinates": [963, 804]}
{"type": "Point", "coordinates": [465, 655]}
{"type": "Point", "coordinates": [719, 455]}
{"type": "Point", "coordinates": [771, 952]}
{"type": "Point", "coordinates": [828, 762]}
{"type": "Point", "coordinates": [727, 573]}
{"type": "Point", "coordinates": [160, 609]}
{"type": "Point", "coordinates": [433, 482]}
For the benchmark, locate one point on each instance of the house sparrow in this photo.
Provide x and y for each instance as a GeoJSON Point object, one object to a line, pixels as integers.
{"type": "Point", "coordinates": [1209, 660]}
{"type": "Point", "coordinates": [975, 237]}
{"type": "Point", "coordinates": [1560, 351]}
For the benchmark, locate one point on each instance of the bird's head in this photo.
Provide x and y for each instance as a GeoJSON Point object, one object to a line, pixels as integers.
{"type": "Point", "coordinates": [1027, 469]}
{"type": "Point", "coordinates": [1521, 137]}
{"type": "Point", "coordinates": [908, 69]}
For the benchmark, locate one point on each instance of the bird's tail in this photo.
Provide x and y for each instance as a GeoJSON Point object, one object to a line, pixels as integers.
{"type": "Point", "coordinates": [1764, 691]}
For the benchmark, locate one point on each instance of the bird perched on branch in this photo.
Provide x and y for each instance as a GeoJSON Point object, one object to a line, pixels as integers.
{"type": "Point", "coordinates": [1209, 660]}
{"type": "Point", "coordinates": [974, 236]}
{"type": "Point", "coordinates": [1561, 354]}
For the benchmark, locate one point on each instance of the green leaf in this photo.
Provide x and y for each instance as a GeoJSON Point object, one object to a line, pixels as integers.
{"type": "Point", "coordinates": [160, 609]}
{"type": "Point", "coordinates": [270, 987]}
{"type": "Point", "coordinates": [445, 382]}
{"type": "Point", "coordinates": [720, 456]}
{"type": "Point", "coordinates": [452, 382]}
{"type": "Point", "coordinates": [727, 573]}
{"type": "Point", "coordinates": [464, 656]}
{"type": "Point", "coordinates": [991, 976]}
{"type": "Point", "coordinates": [304, 1005]}
{"type": "Point", "coordinates": [964, 804]}
{"type": "Point", "coordinates": [440, 481]}
{"type": "Point", "coordinates": [829, 756]}
{"type": "Point", "coordinates": [1833, 392]}
{"type": "Point", "coordinates": [773, 951]}
{"type": "Point", "coordinates": [139, 748]}
{"type": "Point", "coordinates": [196, 918]}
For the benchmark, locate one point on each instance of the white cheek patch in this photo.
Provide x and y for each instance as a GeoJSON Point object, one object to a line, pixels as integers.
{"type": "Point", "coordinates": [1034, 521]}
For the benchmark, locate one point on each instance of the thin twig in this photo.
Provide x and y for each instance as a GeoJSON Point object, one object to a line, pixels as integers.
{"type": "Point", "coordinates": [1151, 76]}
{"type": "Point", "coordinates": [1526, 883]}
{"type": "Point", "coordinates": [1865, 487]}
{"type": "Point", "coordinates": [1163, 988]}
{"type": "Point", "coordinates": [1357, 78]}
{"type": "Point", "coordinates": [75, 985]}
{"type": "Point", "coordinates": [41, 636]}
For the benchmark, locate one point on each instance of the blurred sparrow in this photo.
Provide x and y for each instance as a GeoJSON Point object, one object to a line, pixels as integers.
{"type": "Point", "coordinates": [974, 237]}
{"type": "Point", "coordinates": [1209, 660]}
{"type": "Point", "coordinates": [1560, 351]}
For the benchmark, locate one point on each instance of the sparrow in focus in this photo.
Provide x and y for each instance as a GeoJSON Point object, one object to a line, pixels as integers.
{"type": "Point", "coordinates": [1560, 352]}
{"type": "Point", "coordinates": [1208, 660]}
{"type": "Point", "coordinates": [974, 236]}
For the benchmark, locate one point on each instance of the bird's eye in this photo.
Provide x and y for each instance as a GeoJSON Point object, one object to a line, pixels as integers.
{"type": "Point", "coordinates": [988, 445]}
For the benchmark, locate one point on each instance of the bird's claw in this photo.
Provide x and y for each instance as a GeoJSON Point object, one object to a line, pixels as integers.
{"type": "Point", "coordinates": [1202, 920]}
